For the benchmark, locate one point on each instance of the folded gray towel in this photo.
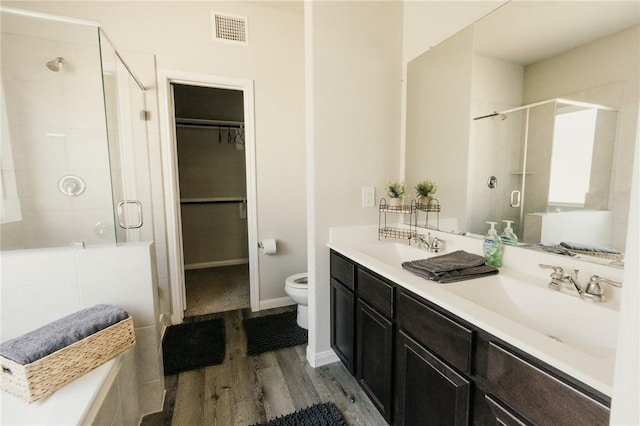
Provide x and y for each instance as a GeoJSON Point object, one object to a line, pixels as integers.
{"type": "Point", "coordinates": [61, 333]}
{"type": "Point", "coordinates": [455, 275]}
{"type": "Point", "coordinates": [456, 266]}
{"type": "Point", "coordinates": [459, 259]}
{"type": "Point", "coordinates": [551, 249]}
{"type": "Point", "coordinates": [591, 248]}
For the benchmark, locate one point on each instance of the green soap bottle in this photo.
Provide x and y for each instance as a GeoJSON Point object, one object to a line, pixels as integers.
{"type": "Point", "coordinates": [492, 247]}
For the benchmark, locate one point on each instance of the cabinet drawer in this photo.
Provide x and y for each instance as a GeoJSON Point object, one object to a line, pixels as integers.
{"type": "Point", "coordinates": [501, 414]}
{"type": "Point", "coordinates": [443, 336]}
{"type": "Point", "coordinates": [342, 270]}
{"type": "Point", "coordinates": [538, 396]}
{"type": "Point", "coordinates": [376, 292]}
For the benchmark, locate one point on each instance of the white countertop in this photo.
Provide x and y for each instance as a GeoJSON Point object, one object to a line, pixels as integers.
{"type": "Point", "coordinates": [594, 371]}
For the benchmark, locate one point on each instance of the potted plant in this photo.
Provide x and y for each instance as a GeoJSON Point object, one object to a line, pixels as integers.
{"type": "Point", "coordinates": [395, 191]}
{"type": "Point", "coordinates": [425, 191]}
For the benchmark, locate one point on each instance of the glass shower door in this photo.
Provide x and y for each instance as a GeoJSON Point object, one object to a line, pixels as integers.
{"type": "Point", "coordinates": [126, 118]}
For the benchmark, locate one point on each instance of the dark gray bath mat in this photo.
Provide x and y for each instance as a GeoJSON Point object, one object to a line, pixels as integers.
{"type": "Point", "coordinates": [273, 332]}
{"type": "Point", "coordinates": [317, 415]}
{"type": "Point", "coordinates": [193, 345]}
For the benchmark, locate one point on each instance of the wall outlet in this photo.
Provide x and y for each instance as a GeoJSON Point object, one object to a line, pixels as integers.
{"type": "Point", "coordinates": [368, 196]}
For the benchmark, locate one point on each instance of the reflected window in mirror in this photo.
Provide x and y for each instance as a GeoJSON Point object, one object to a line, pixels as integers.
{"type": "Point", "coordinates": [572, 150]}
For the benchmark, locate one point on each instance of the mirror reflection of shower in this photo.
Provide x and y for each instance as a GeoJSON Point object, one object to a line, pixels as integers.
{"type": "Point", "coordinates": [56, 64]}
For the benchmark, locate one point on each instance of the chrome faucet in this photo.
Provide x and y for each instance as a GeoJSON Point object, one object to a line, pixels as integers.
{"type": "Point", "coordinates": [592, 290]}
{"type": "Point", "coordinates": [433, 245]}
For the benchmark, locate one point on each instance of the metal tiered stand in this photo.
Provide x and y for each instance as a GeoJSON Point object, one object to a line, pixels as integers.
{"type": "Point", "coordinates": [433, 206]}
{"type": "Point", "coordinates": [395, 232]}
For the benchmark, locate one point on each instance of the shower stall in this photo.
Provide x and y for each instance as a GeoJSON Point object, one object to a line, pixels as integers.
{"type": "Point", "coordinates": [74, 187]}
{"type": "Point", "coordinates": [74, 163]}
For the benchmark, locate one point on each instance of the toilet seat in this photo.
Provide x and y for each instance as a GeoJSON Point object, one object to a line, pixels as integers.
{"type": "Point", "coordinates": [298, 281]}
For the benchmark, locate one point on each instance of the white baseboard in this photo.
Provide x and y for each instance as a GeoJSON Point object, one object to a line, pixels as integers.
{"type": "Point", "coordinates": [321, 358]}
{"type": "Point", "coordinates": [276, 303]}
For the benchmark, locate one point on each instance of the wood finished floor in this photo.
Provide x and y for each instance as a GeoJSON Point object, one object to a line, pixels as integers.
{"type": "Point", "coordinates": [245, 390]}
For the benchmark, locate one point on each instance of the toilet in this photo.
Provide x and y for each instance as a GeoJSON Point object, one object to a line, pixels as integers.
{"type": "Point", "coordinates": [297, 289]}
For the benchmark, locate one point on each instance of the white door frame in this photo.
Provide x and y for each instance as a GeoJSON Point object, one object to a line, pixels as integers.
{"type": "Point", "coordinates": [171, 187]}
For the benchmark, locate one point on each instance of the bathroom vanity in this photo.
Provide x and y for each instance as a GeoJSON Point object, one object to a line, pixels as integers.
{"type": "Point", "coordinates": [426, 355]}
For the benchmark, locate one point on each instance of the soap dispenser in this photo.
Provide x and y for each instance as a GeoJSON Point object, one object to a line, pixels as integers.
{"type": "Point", "coordinates": [508, 236]}
{"type": "Point", "coordinates": [492, 247]}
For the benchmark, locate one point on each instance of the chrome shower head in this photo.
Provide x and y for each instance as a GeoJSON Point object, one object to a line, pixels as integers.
{"type": "Point", "coordinates": [56, 64]}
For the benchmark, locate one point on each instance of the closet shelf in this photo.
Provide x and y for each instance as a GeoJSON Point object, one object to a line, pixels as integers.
{"type": "Point", "coordinates": [198, 122]}
{"type": "Point", "coordinates": [213, 200]}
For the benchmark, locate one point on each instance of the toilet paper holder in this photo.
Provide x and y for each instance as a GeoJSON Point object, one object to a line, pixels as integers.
{"type": "Point", "coordinates": [268, 245]}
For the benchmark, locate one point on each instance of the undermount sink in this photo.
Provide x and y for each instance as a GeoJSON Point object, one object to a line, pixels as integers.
{"type": "Point", "coordinates": [581, 324]}
{"type": "Point", "coordinates": [394, 253]}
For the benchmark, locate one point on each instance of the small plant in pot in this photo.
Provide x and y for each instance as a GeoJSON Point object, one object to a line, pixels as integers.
{"type": "Point", "coordinates": [395, 191]}
{"type": "Point", "coordinates": [425, 191]}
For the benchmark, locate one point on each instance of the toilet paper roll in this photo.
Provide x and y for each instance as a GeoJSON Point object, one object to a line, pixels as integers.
{"type": "Point", "coordinates": [268, 246]}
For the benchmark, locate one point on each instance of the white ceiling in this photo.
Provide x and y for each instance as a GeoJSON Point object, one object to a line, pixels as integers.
{"type": "Point", "coordinates": [525, 32]}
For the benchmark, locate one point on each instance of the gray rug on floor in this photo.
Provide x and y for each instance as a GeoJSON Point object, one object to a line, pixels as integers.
{"type": "Point", "coordinates": [272, 332]}
{"type": "Point", "coordinates": [189, 346]}
{"type": "Point", "coordinates": [317, 415]}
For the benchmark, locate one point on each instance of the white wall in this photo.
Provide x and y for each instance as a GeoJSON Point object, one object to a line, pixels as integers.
{"type": "Point", "coordinates": [353, 117]}
{"type": "Point", "coordinates": [440, 129]}
{"type": "Point", "coordinates": [179, 34]}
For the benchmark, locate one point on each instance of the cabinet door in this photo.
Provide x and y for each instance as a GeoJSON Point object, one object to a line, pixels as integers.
{"type": "Point", "coordinates": [428, 391]}
{"type": "Point", "coordinates": [375, 357]}
{"type": "Point", "coordinates": [342, 324]}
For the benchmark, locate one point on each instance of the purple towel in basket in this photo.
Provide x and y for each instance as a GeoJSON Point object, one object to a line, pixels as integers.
{"type": "Point", "coordinates": [61, 333]}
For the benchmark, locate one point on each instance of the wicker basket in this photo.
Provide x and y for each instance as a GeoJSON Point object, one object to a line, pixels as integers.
{"type": "Point", "coordinates": [41, 378]}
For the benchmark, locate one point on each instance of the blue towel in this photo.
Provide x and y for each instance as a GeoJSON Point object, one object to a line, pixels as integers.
{"type": "Point", "coordinates": [61, 333]}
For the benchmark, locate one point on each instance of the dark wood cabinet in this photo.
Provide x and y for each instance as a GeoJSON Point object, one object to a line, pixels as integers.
{"type": "Point", "coordinates": [501, 415]}
{"type": "Point", "coordinates": [428, 391]}
{"type": "Point", "coordinates": [375, 357]}
{"type": "Point", "coordinates": [343, 324]}
{"type": "Point", "coordinates": [422, 365]}
{"type": "Point", "coordinates": [544, 400]}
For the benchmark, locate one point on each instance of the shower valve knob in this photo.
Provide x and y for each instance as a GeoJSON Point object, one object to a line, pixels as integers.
{"type": "Point", "coordinates": [71, 186]}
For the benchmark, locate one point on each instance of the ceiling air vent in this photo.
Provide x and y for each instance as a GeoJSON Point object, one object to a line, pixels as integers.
{"type": "Point", "coordinates": [229, 29]}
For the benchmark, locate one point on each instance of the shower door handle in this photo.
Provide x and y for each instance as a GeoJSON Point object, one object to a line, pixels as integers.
{"type": "Point", "coordinates": [514, 199]}
{"type": "Point", "coordinates": [122, 222]}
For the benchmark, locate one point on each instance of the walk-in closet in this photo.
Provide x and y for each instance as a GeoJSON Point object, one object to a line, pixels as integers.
{"type": "Point", "coordinates": [213, 204]}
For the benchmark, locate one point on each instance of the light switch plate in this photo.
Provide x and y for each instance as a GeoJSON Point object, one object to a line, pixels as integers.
{"type": "Point", "coordinates": [368, 196]}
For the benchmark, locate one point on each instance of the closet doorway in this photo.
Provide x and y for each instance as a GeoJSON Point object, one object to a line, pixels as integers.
{"type": "Point", "coordinates": [213, 200]}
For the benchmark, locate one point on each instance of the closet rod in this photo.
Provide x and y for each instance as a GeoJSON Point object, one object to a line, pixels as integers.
{"type": "Point", "coordinates": [212, 200]}
{"type": "Point", "coordinates": [196, 122]}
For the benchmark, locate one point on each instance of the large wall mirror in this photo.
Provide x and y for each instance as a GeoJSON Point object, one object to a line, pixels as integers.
{"type": "Point", "coordinates": [530, 115]}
